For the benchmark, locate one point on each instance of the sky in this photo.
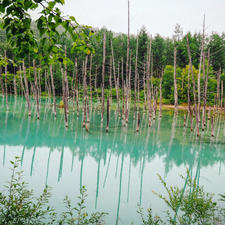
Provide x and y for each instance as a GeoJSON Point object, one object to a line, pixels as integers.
{"type": "Point", "coordinates": [158, 16]}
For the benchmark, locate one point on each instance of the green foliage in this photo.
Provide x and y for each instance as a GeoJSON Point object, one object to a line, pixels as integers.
{"type": "Point", "coordinates": [16, 21]}
{"type": "Point", "coordinates": [19, 205]}
{"type": "Point", "coordinates": [150, 220]}
{"type": "Point", "coordinates": [190, 204]}
{"type": "Point", "coordinates": [78, 215]}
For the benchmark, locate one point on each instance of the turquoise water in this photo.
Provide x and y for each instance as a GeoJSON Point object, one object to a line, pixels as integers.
{"type": "Point", "coordinates": [119, 169]}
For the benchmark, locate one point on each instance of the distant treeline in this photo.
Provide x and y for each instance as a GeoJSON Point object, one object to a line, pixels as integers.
{"type": "Point", "coordinates": [162, 62]}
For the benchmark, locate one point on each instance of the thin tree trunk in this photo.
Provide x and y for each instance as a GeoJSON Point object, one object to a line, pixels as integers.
{"type": "Point", "coordinates": [103, 75]}
{"type": "Point", "coordinates": [27, 90]}
{"type": "Point", "coordinates": [110, 79]}
{"type": "Point", "coordinates": [189, 100]}
{"type": "Point", "coordinates": [160, 94]}
{"type": "Point", "coordinates": [107, 125]}
{"type": "Point", "coordinates": [90, 80]}
{"type": "Point", "coordinates": [64, 96]}
{"type": "Point", "coordinates": [175, 81]}
{"type": "Point", "coordinates": [135, 79]}
{"type": "Point", "coordinates": [6, 88]}
{"type": "Point", "coordinates": [193, 83]}
{"type": "Point", "coordinates": [218, 90]}
{"type": "Point", "coordinates": [53, 90]}
{"type": "Point", "coordinates": [36, 89]}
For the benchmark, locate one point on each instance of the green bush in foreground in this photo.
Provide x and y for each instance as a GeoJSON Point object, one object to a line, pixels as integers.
{"type": "Point", "coordinates": [189, 205]}
{"type": "Point", "coordinates": [19, 206]}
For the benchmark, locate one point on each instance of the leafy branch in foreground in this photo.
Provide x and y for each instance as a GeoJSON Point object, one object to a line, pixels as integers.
{"type": "Point", "coordinates": [17, 22]}
{"type": "Point", "coordinates": [19, 205]}
{"type": "Point", "coordinates": [190, 204]}
{"type": "Point", "coordinates": [78, 215]}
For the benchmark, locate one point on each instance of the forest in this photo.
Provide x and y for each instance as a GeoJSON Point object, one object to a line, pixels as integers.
{"type": "Point", "coordinates": [162, 63]}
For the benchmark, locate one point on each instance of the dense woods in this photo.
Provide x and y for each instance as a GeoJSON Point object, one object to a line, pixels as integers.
{"type": "Point", "coordinates": [161, 59]}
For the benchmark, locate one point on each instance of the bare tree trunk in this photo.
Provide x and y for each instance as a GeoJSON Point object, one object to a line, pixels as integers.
{"type": "Point", "coordinates": [212, 126]}
{"type": "Point", "coordinates": [175, 81]}
{"type": "Point", "coordinates": [96, 90]}
{"type": "Point", "coordinates": [107, 125]}
{"type": "Point", "coordinates": [39, 82]}
{"type": "Point", "coordinates": [189, 100]}
{"type": "Point", "coordinates": [53, 90]}
{"type": "Point", "coordinates": [110, 79]}
{"type": "Point", "coordinates": [221, 101]}
{"type": "Point", "coordinates": [66, 86]}
{"type": "Point", "coordinates": [27, 90]}
{"type": "Point", "coordinates": [160, 94]}
{"type": "Point", "coordinates": [2, 85]}
{"type": "Point", "coordinates": [138, 121]}
{"type": "Point", "coordinates": [64, 96]}
{"type": "Point", "coordinates": [84, 111]}
{"type": "Point", "coordinates": [218, 90]}
{"type": "Point", "coordinates": [77, 88]}
{"type": "Point", "coordinates": [148, 82]}
{"type": "Point", "coordinates": [73, 87]}
{"type": "Point", "coordinates": [117, 84]}
{"type": "Point", "coordinates": [115, 80]}
{"type": "Point", "coordinates": [6, 88]}
{"type": "Point", "coordinates": [21, 84]}
{"type": "Point", "coordinates": [204, 96]}
{"type": "Point", "coordinates": [135, 78]}
{"type": "Point", "coordinates": [90, 80]}
{"type": "Point", "coordinates": [193, 83]}
{"type": "Point", "coordinates": [128, 44]}
{"type": "Point", "coordinates": [36, 89]}
{"type": "Point", "coordinates": [14, 82]}
{"type": "Point", "coordinates": [87, 109]}
{"type": "Point", "coordinates": [103, 75]}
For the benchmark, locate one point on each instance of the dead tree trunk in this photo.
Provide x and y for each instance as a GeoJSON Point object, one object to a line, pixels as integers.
{"type": "Point", "coordinates": [160, 94]}
{"type": "Point", "coordinates": [218, 90]}
{"type": "Point", "coordinates": [36, 89]}
{"type": "Point", "coordinates": [77, 88]}
{"type": "Point", "coordinates": [175, 81]}
{"type": "Point", "coordinates": [110, 80]}
{"type": "Point", "coordinates": [90, 80]}
{"type": "Point", "coordinates": [6, 88]}
{"type": "Point", "coordinates": [103, 75]}
{"type": "Point", "coordinates": [107, 125]}
{"type": "Point", "coordinates": [189, 100]}
{"type": "Point", "coordinates": [193, 83]}
{"type": "Point", "coordinates": [148, 82]}
{"type": "Point", "coordinates": [26, 90]}
{"type": "Point", "coordinates": [135, 78]}
{"type": "Point", "coordinates": [64, 96]}
{"type": "Point", "coordinates": [53, 90]}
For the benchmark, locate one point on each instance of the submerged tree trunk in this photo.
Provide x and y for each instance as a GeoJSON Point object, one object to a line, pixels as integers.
{"type": "Point", "coordinates": [135, 78]}
{"type": "Point", "coordinates": [6, 88]}
{"type": "Point", "coordinates": [36, 89]}
{"type": "Point", "coordinates": [26, 90]}
{"type": "Point", "coordinates": [90, 80]}
{"type": "Point", "coordinates": [64, 96]}
{"type": "Point", "coordinates": [53, 90]}
{"type": "Point", "coordinates": [103, 75]}
{"type": "Point", "coordinates": [108, 116]}
{"type": "Point", "coordinates": [193, 83]}
{"type": "Point", "coordinates": [160, 94]}
{"type": "Point", "coordinates": [175, 81]}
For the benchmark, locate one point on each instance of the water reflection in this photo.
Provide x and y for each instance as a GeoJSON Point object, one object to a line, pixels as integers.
{"type": "Point", "coordinates": [118, 168]}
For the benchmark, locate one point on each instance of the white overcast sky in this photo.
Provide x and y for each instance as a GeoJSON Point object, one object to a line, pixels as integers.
{"type": "Point", "coordinates": [158, 16]}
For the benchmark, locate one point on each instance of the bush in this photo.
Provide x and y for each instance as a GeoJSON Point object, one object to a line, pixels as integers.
{"type": "Point", "coordinates": [19, 205]}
